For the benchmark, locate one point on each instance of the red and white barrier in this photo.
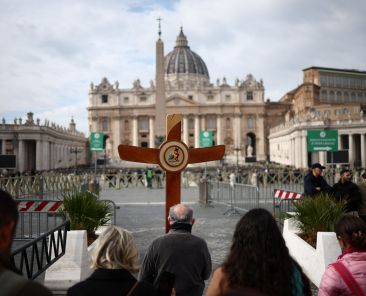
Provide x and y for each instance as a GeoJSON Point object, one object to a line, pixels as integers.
{"type": "Point", "coordinates": [282, 194]}
{"type": "Point", "coordinates": [39, 206]}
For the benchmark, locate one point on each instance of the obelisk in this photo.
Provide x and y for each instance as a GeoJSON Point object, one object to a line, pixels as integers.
{"type": "Point", "coordinates": [160, 100]}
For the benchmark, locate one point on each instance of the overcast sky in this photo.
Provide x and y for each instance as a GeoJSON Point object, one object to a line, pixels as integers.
{"type": "Point", "coordinates": [52, 49]}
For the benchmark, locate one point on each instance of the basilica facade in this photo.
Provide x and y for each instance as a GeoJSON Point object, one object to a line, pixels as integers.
{"type": "Point", "coordinates": [237, 114]}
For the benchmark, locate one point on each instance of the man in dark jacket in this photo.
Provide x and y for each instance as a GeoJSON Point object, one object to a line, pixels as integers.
{"type": "Point", "coordinates": [11, 283]}
{"type": "Point", "coordinates": [314, 182]}
{"type": "Point", "coordinates": [346, 189]}
{"type": "Point", "coordinates": [178, 252]}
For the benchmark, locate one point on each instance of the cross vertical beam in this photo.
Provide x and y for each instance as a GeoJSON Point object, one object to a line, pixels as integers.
{"type": "Point", "coordinates": [173, 156]}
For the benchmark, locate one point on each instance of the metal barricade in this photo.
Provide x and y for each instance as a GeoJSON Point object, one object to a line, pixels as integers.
{"type": "Point", "coordinates": [240, 197]}
{"type": "Point", "coordinates": [37, 217]}
{"type": "Point", "coordinates": [283, 204]}
{"type": "Point", "coordinates": [114, 208]}
{"type": "Point", "coordinates": [35, 257]}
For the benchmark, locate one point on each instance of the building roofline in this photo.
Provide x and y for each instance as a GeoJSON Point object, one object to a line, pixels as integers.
{"type": "Point", "coordinates": [350, 71]}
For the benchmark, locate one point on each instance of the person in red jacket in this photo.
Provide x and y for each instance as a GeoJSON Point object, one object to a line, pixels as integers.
{"type": "Point", "coordinates": [347, 275]}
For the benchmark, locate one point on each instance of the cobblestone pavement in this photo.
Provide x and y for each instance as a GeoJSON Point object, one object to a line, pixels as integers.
{"type": "Point", "coordinates": [142, 212]}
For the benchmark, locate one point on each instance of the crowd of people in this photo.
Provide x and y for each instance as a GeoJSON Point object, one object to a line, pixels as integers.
{"type": "Point", "coordinates": [353, 194]}
{"type": "Point", "coordinates": [179, 262]}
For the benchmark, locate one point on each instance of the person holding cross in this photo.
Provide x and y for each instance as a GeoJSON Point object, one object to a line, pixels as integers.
{"type": "Point", "coordinates": [178, 252]}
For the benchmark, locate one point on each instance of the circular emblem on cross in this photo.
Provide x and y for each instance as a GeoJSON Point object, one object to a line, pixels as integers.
{"type": "Point", "coordinates": [173, 156]}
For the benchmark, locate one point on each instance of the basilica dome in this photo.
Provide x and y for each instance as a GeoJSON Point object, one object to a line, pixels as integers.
{"type": "Point", "coordinates": [182, 60]}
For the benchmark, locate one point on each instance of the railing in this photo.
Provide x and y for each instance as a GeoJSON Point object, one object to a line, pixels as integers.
{"type": "Point", "coordinates": [113, 208]}
{"type": "Point", "coordinates": [36, 256]}
{"type": "Point", "coordinates": [239, 197]}
{"type": "Point", "coordinates": [133, 179]}
{"type": "Point", "coordinates": [37, 217]}
{"type": "Point", "coordinates": [284, 204]}
{"type": "Point", "coordinates": [50, 187]}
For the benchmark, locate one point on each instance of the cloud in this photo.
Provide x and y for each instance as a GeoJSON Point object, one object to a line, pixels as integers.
{"type": "Point", "coordinates": [52, 50]}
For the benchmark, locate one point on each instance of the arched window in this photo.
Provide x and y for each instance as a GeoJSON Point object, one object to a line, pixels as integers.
{"type": "Point", "coordinates": [359, 97]}
{"type": "Point", "coordinates": [346, 97]}
{"type": "Point", "coordinates": [339, 97]}
{"type": "Point", "coordinates": [331, 96]}
{"type": "Point", "coordinates": [353, 97]}
{"type": "Point", "coordinates": [324, 96]}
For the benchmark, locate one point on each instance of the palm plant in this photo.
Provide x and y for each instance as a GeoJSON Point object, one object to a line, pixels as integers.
{"type": "Point", "coordinates": [86, 211]}
{"type": "Point", "coordinates": [317, 214]}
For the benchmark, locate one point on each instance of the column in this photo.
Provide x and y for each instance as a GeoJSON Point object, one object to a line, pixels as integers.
{"type": "Point", "coordinates": [151, 132]}
{"type": "Point", "coordinates": [298, 150]}
{"type": "Point", "coordinates": [196, 131]}
{"type": "Point", "coordinates": [185, 130]}
{"type": "Point", "coordinates": [219, 129]}
{"type": "Point", "coordinates": [363, 151]}
{"type": "Point", "coordinates": [339, 141]}
{"type": "Point", "coordinates": [46, 155]}
{"type": "Point", "coordinates": [351, 148]}
{"type": "Point", "coordinates": [116, 135]}
{"type": "Point", "coordinates": [21, 156]}
{"type": "Point", "coordinates": [135, 138]}
{"type": "Point", "coordinates": [304, 152]}
{"type": "Point", "coordinates": [52, 155]}
{"type": "Point", "coordinates": [323, 157]}
{"type": "Point", "coordinates": [261, 150]}
{"type": "Point", "coordinates": [237, 131]}
{"type": "Point", "coordinates": [292, 152]}
{"type": "Point", "coordinates": [3, 149]}
{"type": "Point", "coordinates": [63, 156]}
{"type": "Point", "coordinates": [39, 155]}
{"type": "Point", "coordinates": [203, 122]}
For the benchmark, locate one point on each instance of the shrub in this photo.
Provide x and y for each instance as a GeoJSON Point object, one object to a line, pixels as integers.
{"type": "Point", "coordinates": [316, 214]}
{"type": "Point", "coordinates": [86, 211]}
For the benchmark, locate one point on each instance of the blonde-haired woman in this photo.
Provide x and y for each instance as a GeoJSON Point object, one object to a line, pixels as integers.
{"type": "Point", "coordinates": [114, 258]}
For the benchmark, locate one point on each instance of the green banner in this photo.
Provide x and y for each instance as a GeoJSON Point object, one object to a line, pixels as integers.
{"type": "Point", "coordinates": [206, 139]}
{"type": "Point", "coordinates": [96, 142]}
{"type": "Point", "coordinates": [322, 140]}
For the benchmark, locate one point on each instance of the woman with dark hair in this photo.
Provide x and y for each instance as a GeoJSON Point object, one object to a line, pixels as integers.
{"type": "Point", "coordinates": [347, 275]}
{"type": "Point", "coordinates": [260, 260]}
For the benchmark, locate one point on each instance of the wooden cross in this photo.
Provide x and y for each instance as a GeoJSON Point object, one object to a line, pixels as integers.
{"type": "Point", "coordinates": [173, 156]}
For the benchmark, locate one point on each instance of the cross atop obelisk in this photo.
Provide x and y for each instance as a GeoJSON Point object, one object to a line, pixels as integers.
{"type": "Point", "coordinates": [173, 156]}
{"type": "Point", "coordinates": [160, 100]}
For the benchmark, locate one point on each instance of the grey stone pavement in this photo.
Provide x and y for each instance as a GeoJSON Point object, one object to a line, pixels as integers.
{"type": "Point", "coordinates": [142, 212]}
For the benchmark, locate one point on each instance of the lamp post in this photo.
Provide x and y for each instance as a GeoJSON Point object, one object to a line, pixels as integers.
{"type": "Point", "coordinates": [76, 150]}
{"type": "Point", "coordinates": [237, 149]}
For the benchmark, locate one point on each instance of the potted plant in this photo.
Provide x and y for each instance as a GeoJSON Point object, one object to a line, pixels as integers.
{"type": "Point", "coordinates": [317, 214]}
{"type": "Point", "coordinates": [86, 212]}
{"type": "Point", "coordinates": [309, 234]}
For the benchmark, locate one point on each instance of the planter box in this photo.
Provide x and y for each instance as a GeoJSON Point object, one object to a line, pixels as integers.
{"type": "Point", "coordinates": [71, 268]}
{"type": "Point", "coordinates": [313, 261]}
